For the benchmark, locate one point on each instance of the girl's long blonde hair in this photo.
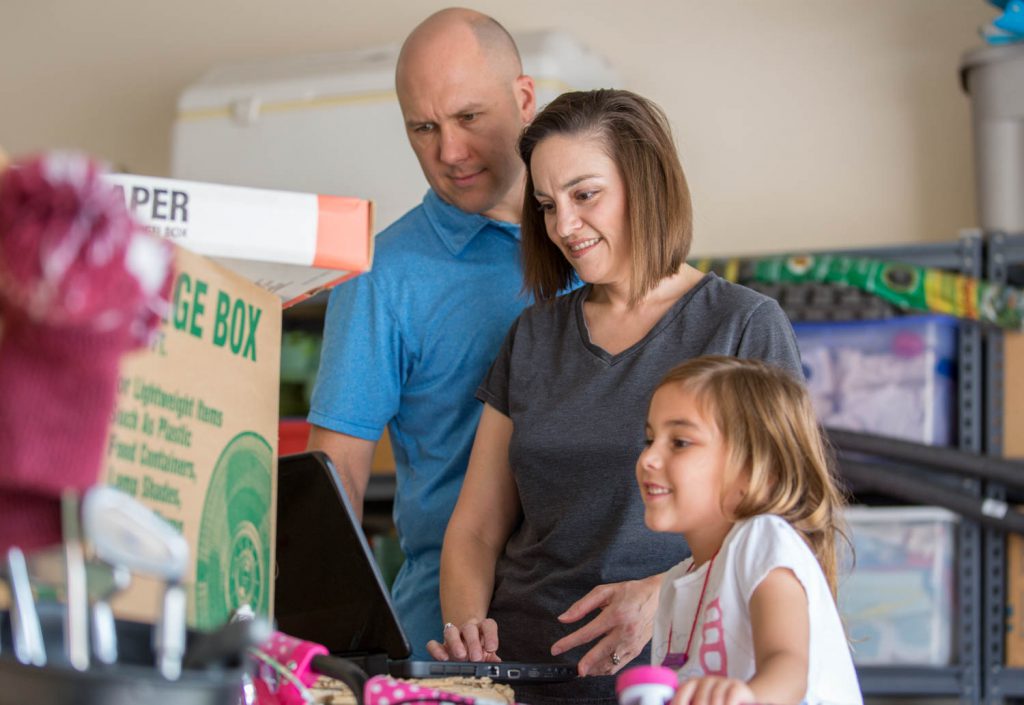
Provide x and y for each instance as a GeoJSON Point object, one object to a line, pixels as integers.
{"type": "Point", "coordinates": [769, 426]}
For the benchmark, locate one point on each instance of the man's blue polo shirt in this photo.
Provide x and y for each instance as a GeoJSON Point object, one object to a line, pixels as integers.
{"type": "Point", "coordinates": [406, 345]}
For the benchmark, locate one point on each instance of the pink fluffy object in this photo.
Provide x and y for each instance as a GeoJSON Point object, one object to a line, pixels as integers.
{"type": "Point", "coordinates": [80, 284]}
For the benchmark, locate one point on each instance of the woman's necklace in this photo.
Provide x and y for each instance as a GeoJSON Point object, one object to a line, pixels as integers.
{"type": "Point", "coordinates": [676, 659]}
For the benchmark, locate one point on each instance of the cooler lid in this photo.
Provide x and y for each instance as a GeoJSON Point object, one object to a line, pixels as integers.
{"type": "Point", "coordinates": [300, 78]}
{"type": "Point", "coordinates": [556, 61]}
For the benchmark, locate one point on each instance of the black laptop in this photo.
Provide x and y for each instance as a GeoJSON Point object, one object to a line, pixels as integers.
{"type": "Point", "coordinates": [328, 588]}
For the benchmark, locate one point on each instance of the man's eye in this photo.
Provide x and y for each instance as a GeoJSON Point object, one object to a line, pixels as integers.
{"type": "Point", "coordinates": [469, 117]}
{"type": "Point", "coordinates": [423, 129]}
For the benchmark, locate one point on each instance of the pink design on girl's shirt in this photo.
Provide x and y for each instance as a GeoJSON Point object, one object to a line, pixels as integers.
{"type": "Point", "coordinates": [713, 658]}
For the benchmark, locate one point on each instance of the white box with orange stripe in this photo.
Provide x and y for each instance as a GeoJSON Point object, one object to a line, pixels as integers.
{"type": "Point", "coordinates": [291, 244]}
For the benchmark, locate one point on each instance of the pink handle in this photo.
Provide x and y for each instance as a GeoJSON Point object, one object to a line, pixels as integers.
{"type": "Point", "coordinates": [296, 655]}
{"type": "Point", "coordinates": [642, 675]}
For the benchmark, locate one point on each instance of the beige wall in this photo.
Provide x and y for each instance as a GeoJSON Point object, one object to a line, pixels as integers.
{"type": "Point", "coordinates": [801, 123]}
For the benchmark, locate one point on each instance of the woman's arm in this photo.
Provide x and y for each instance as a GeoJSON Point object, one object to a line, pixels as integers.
{"type": "Point", "coordinates": [485, 514]}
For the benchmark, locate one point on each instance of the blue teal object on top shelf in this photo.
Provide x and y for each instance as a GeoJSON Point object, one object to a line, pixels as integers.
{"type": "Point", "coordinates": [1008, 28]}
{"type": "Point", "coordinates": [1012, 19]}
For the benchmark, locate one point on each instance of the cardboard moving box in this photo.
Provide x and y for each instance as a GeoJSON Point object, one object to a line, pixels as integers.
{"type": "Point", "coordinates": [1014, 643]}
{"type": "Point", "coordinates": [1013, 447]}
{"type": "Point", "coordinates": [194, 437]}
{"type": "Point", "coordinates": [195, 433]}
{"type": "Point", "coordinates": [1013, 395]}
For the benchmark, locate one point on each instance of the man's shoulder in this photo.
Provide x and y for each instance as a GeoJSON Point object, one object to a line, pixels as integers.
{"type": "Point", "coordinates": [414, 225]}
{"type": "Point", "coordinates": [399, 250]}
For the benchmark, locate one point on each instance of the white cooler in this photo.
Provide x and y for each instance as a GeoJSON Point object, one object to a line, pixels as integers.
{"type": "Point", "coordinates": [331, 124]}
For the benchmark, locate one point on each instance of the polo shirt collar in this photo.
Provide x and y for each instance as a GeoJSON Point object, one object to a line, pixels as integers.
{"type": "Point", "coordinates": [455, 227]}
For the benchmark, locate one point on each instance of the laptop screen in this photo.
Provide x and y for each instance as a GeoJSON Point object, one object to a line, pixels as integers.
{"type": "Point", "coordinates": [328, 588]}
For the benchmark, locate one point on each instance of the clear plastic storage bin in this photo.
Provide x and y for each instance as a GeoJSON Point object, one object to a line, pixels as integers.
{"type": "Point", "coordinates": [897, 603]}
{"type": "Point", "coordinates": [895, 377]}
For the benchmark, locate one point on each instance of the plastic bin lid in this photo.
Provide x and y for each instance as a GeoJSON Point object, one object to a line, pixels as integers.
{"type": "Point", "coordinates": [865, 514]}
{"type": "Point", "coordinates": [940, 319]}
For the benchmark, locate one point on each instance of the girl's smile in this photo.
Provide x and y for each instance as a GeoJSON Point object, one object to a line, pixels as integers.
{"type": "Point", "coordinates": [656, 491]}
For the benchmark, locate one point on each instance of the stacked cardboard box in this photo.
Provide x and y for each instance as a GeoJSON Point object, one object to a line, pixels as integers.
{"type": "Point", "coordinates": [194, 435]}
{"type": "Point", "coordinates": [1013, 447]}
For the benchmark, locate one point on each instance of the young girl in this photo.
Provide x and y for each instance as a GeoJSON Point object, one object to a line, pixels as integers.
{"type": "Point", "coordinates": [736, 463]}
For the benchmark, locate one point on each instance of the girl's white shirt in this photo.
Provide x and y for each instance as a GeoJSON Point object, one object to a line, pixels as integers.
{"type": "Point", "coordinates": [723, 642]}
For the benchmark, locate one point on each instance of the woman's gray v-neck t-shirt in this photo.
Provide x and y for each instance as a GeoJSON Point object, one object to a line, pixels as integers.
{"type": "Point", "coordinates": [578, 415]}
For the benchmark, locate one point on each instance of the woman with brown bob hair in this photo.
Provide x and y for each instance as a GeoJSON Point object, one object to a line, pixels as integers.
{"type": "Point", "coordinates": [549, 526]}
{"type": "Point", "coordinates": [637, 138]}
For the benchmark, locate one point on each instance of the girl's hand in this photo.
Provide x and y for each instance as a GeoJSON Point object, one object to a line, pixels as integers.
{"type": "Point", "coordinates": [476, 640]}
{"type": "Point", "coordinates": [713, 690]}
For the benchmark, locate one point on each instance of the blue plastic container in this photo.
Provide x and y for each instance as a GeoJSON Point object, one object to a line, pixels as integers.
{"type": "Point", "coordinates": [895, 377]}
{"type": "Point", "coordinates": [897, 604]}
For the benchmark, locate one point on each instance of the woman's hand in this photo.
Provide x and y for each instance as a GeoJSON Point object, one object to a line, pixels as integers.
{"type": "Point", "coordinates": [476, 640]}
{"type": "Point", "coordinates": [714, 690]}
{"type": "Point", "coordinates": [626, 623]}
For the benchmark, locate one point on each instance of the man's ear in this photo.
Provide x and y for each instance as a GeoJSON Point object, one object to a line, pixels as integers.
{"type": "Point", "coordinates": [526, 98]}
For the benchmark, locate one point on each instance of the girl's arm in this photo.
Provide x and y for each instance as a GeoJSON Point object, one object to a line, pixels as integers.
{"type": "Point", "coordinates": [485, 514]}
{"type": "Point", "coordinates": [782, 635]}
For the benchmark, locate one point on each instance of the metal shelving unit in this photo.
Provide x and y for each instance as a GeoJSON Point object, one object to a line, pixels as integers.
{"type": "Point", "coordinates": [961, 679]}
{"type": "Point", "coordinates": [1000, 683]}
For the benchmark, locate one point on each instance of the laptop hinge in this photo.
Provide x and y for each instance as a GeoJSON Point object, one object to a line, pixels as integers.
{"type": "Point", "coordinates": [372, 664]}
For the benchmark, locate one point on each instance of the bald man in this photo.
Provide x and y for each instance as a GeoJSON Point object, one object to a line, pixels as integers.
{"type": "Point", "coordinates": [406, 344]}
